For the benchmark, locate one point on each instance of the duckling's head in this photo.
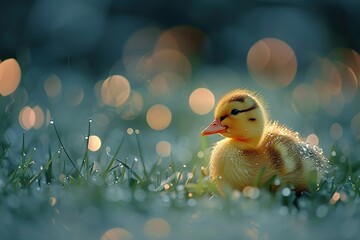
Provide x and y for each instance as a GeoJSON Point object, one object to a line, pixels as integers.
{"type": "Point", "coordinates": [242, 116]}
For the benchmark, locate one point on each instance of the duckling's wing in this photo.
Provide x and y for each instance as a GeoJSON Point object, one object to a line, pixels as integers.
{"type": "Point", "coordinates": [295, 159]}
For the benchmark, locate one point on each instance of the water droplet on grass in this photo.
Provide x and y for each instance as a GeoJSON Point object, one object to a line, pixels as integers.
{"type": "Point", "coordinates": [108, 150]}
{"type": "Point", "coordinates": [90, 120]}
{"type": "Point", "coordinates": [286, 192]}
{"type": "Point", "coordinates": [51, 122]}
{"type": "Point", "coordinates": [130, 131]}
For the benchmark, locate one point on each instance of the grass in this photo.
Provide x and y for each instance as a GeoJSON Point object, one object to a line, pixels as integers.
{"type": "Point", "coordinates": [69, 195]}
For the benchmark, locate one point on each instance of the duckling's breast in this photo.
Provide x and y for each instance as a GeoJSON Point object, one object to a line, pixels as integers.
{"type": "Point", "coordinates": [230, 165]}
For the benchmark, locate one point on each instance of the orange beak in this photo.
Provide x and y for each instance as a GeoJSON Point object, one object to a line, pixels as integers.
{"type": "Point", "coordinates": [214, 127]}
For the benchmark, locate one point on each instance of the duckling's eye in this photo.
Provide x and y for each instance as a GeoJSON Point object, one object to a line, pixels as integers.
{"type": "Point", "coordinates": [235, 111]}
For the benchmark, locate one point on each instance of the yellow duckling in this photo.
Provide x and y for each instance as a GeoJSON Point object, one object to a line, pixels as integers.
{"type": "Point", "coordinates": [254, 146]}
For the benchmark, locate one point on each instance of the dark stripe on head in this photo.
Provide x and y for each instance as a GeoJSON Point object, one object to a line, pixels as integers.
{"type": "Point", "coordinates": [238, 98]}
{"type": "Point", "coordinates": [249, 109]}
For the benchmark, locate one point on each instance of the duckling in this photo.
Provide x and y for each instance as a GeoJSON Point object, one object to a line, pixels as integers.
{"type": "Point", "coordinates": [254, 146]}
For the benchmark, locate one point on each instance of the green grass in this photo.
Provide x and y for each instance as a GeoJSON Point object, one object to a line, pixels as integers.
{"type": "Point", "coordinates": [66, 199]}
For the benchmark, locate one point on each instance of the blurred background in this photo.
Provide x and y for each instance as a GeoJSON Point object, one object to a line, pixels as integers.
{"type": "Point", "coordinates": [158, 67]}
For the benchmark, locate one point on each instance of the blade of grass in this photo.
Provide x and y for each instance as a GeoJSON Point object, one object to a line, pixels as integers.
{"type": "Point", "coordinates": [190, 178]}
{"type": "Point", "coordinates": [332, 189]}
{"type": "Point", "coordinates": [36, 176]}
{"type": "Point", "coordinates": [260, 176]}
{"type": "Point", "coordinates": [27, 164]}
{"type": "Point", "coordinates": [157, 162]}
{"type": "Point", "coordinates": [129, 169]}
{"type": "Point", "coordinates": [269, 181]}
{"type": "Point", "coordinates": [23, 150]}
{"type": "Point", "coordinates": [86, 154]}
{"type": "Point", "coordinates": [63, 147]}
{"type": "Point", "coordinates": [48, 171]}
{"type": "Point", "coordinates": [111, 163]}
{"type": "Point", "coordinates": [141, 154]}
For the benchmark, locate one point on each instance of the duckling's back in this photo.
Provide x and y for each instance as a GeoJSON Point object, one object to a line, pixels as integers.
{"type": "Point", "coordinates": [294, 159]}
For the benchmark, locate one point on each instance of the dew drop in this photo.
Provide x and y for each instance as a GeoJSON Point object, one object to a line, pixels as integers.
{"type": "Point", "coordinates": [108, 149]}
{"type": "Point", "coordinates": [34, 148]}
{"type": "Point", "coordinates": [277, 182]}
{"type": "Point", "coordinates": [286, 192]}
{"type": "Point", "coordinates": [51, 121]}
{"type": "Point", "coordinates": [130, 131]}
{"type": "Point", "coordinates": [137, 131]}
{"type": "Point", "coordinates": [90, 120]}
{"type": "Point", "coordinates": [184, 166]}
{"type": "Point", "coordinates": [333, 153]}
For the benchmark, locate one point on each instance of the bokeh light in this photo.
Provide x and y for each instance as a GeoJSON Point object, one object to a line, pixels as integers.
{"type": "Point", "coordinates": [10, 75]}
{"type": "Point", "coordinates": [27, 118]}
{"type": "Point", "coordinates": [324, 70]}
{"type": "Point", "coordinates": [173, 61]}
{"type": "Point", "coordinates": [138, 45]}
{"type": "Point", "coordinates": [348, 57]}
{"type": "Point", "coordinates": [312, 139]}
{"type": "Point", "coordinates": [163, 148]}
{"type": "Point", "coordinates": [52, 86]}
{"type": "Point", "coordinates": [305, 99]}
{"type": "Point", "coordinates": [349, 84]}
{"type": "Point", "coordinates": [39, 117]}
{"type": "Point", "coordinates": [116, 234]}
{"type": "Point", "coordinates": [157, 228]}
{"type": "Point", "coordinates": [355, 125]}
{"type": "Point", "coordinates": [159, 117]}
{"type": "Point", "coordinates": [94, 143]}
{"type": "Point", "coordinates": [115, 90]}
{"type": "Point", "coordinates": [166, 82]}
{"type": "Point", "coordinates": [336, 131]}
{"type": "Point", "coordinates": [272, 63]}
{"type": "Point", "coordinates": [187, 39]}
{"type": "Point", "coordinates": [201, 101]}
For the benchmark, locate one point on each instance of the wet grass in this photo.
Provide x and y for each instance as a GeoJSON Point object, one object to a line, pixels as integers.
{"type": "Point", "coordinates": [131, 199]}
